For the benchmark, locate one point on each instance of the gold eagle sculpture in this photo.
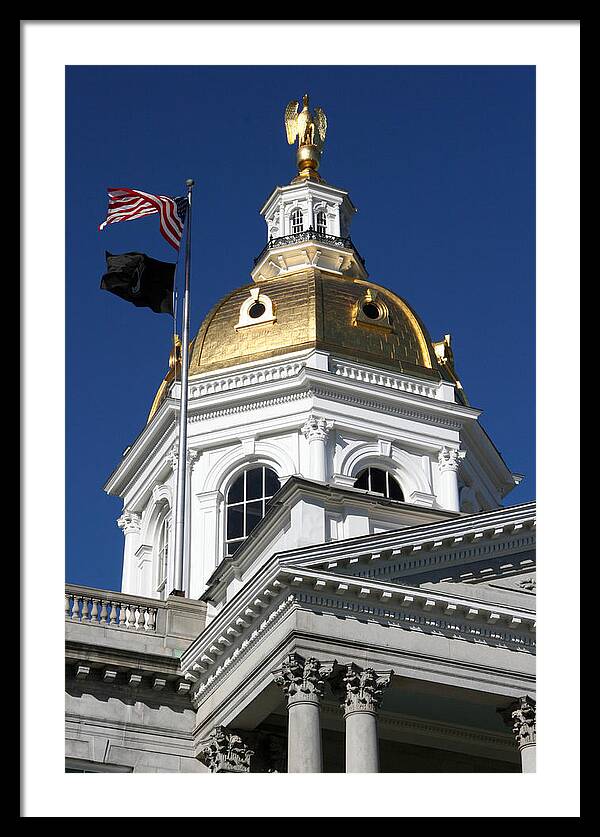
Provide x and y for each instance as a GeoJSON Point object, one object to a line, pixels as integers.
{"type": "Point", "coordinates": [310, 130]}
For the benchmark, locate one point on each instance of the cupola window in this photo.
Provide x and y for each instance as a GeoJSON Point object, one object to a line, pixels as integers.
{"type": "Point", "coordinates": [247, 501]}
{"type": "Point", "coordinates": [378, 481]}
{"type": "Point", "coordinates": [321, 222]}
{"type": "Point", "coordinates": [297, 221]}
{"type": "Point", "coordinates": [163, 556]}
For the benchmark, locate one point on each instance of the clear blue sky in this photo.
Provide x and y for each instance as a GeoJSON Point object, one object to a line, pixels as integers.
{"type": "Point", "coordinates": [440, 162]}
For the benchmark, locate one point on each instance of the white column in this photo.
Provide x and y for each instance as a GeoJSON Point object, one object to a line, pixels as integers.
{"type": "Point", "coordinates": [172, 458]}
{"type": "Point", "coordinates": [449, 460]}
{"type": "Point", "coordinates": [362, 694]}
{"type": "Point", "coordinates": [206, 541]}
{"type": "Point", "coordinates": [316, 430]}
{"type": "Point", "coordinates": [303, 682]}
{"type": "Point", "coordinates": [129, 523]}
{"type": "Point", "coordinates": [520, 715]}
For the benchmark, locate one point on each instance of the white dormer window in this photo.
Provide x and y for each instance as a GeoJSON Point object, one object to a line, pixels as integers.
{"type": "Point", "coordinates": [297, 221]}
{"type": "Point", "coordinates": [321, 222]}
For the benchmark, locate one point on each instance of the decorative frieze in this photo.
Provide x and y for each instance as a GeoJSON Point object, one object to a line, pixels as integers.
{"type": "Point", "coordinates": [302, 678]}
{"type": "Point", "coordinates": [225, 752]}
{"type": "Point", "coordinates": [362, 690]}
{"type": "Point", "coordinates": [449, 459]}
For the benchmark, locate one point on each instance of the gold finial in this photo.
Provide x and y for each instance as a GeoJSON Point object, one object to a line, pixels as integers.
{"type": "Point", "coordinates": [175, 355]}
{"type": "Point", "coordinates": [310, 130]}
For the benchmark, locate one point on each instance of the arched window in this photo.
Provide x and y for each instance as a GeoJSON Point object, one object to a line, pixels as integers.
{"type": "Point", "coordinates": [377, 481]}
{"type": "Point", "coordinates": [247, 500]}
{"type": "Point", "coordinates": [164, 536]}
{"type": "Point", "coordinates": [321, 222]}
{"type": "Point", "coordinates": [297, 221]}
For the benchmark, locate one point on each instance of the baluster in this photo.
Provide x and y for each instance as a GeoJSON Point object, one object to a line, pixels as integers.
{"type": "Point", "coordinates": [151, 626]}
{"type": "Point", "coordinates": [67, 605]}
{"type": "Point", "coordinates": [75, 611]}
{"type": "Point", "coordinates": [144, 617]}
{"type": "Point", "coordinates": [113, 613]}
{"type": "Point", "coordinates": [137, 609]}
{"type": "Point", "coordinates": [103, 613]}
{"type": "Point", "coordinates": [123, 616]}
{"type": "Point", "coordinates": [94, 613]}
{"type": "Point", "coordinates": [130, 616]}
{"type": "Point", "coordinates": [84, 609]}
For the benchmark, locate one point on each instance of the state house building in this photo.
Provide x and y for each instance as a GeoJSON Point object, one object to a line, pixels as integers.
{"type": "Point", "coordinates": [355, 596]}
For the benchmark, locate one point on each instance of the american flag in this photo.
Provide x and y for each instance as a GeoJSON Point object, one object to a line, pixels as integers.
{"type": "Point", "coordinates": [128, 204]}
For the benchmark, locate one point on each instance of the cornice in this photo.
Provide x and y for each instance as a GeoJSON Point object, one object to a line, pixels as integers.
{"type": "Point", "coordinates": [458, 529]}
{"type": "Point", "coordinates": [154, 435]}
{"type": "Point", "coordinates": [277, 588]}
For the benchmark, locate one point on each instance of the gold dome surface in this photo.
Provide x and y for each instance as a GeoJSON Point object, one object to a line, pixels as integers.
{"type": "Point", "coordinates": [316, 310]}
{"type": "Point", "coordinates": [313, 309]}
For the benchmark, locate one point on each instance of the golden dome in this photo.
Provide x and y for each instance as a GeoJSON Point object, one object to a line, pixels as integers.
{"type": "Point", "coordinates": [351, 318]}
{"type": "Point", "coordinates": [316, 310]}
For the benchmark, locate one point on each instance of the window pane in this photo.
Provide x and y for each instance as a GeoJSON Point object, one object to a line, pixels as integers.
{"type": "Point", "coordinates": [235, 522]}
{"type": "Point", "coordinates": [272, 483]}
{"type": "Point", "coordinates": [232, 547]}
{"type": "Point", "coordinates": [253, 515]}
{"type": "Point", "coordinates": [254, 484]}
{"type": "Point", "coordinates": [362, 481]}
{"type": "Point", "coordinates": [236, 492]}
{"type": "Point", "coordinates": [395, 490]}
{"type": "Point", "coordinates": [377, 481]}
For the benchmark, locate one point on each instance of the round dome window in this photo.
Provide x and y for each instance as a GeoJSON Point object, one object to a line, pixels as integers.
{"type": "Point", "coordinates": [257, 309]}
{"type": "Point", "coordinates": [372, 311]}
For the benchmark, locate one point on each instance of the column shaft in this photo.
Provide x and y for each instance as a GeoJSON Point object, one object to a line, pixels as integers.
{"type": "Point", "coordinates": [304, 737]}
{"type": "Point", "coordinates": [528, 758]}
{"type": "Point", "coordinates": [450, 490]}
{"type": "Point", "coordinates": [317, 459]}
{"type": "Point", "coordinates": [362, 751]}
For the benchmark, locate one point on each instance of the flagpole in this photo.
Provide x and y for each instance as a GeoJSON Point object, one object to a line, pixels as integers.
{"type": "Point", "coordinates": [183, 409]}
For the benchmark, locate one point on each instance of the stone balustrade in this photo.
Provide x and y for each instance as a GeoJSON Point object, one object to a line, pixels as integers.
{"type": "Point", "coordinates": [226, 383]}
{"type": "Point", "coordinates": [111, 610]}
{"type": "Point", "coordinates": [354, 372]}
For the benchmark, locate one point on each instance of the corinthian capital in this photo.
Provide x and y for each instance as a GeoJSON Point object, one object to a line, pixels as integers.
{"type": "Point", "coordinates": [520, 716]}
{"type": "Point", "coordinates": [362, 689]}
{"type": "Point", "coordinates": [225, 752]}
{"type": "Point", "coordinates": [172, 457]}
{"type": "Point", "coordinates": [303, 678]}
{"type": "Point", "coordinates": [129, 522]}
{"type": "Point", "coordinates": [449, 459]}
{"type": "Point", "coordinates": [316, 427]}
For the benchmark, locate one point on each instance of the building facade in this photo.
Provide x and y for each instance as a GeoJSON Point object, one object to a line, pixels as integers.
{"type": "Point", "coordinates": [354, 595]}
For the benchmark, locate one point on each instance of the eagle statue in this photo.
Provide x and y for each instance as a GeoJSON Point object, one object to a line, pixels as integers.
{"type": "Point", "coordinates": [310, 130]}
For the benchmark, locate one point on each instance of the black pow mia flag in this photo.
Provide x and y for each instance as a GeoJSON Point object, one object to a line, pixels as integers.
{"type": "Point", "coordinates": [139, 279]}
